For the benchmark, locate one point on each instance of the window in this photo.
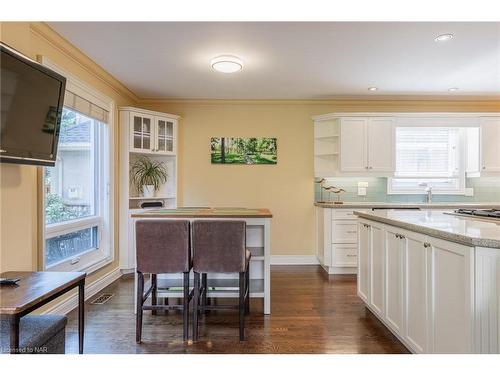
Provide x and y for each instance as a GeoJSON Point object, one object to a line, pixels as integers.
{"type": "Point", "coordinates": [76, 195]}
{"type": "Point", "coordinates": [428, 157]}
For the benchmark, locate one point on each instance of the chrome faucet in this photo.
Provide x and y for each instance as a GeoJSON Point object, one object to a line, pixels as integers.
{"type": "Point", "coordinates": [428, 191]}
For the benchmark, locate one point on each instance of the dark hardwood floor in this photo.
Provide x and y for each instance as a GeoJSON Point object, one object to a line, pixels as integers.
{"type": "Point", "coordinates": [310, 314]}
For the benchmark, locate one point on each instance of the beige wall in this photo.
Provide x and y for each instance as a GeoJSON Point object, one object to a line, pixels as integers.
{"type": "Point", "coordinates": [286, 188]}
{"type": "Point", "coordinates": [19, 226]}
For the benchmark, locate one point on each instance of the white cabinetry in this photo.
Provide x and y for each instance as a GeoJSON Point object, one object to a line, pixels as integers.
{"type": "Point", "coordinates": [367, 144]}
{"type": "Point", "coordinates": [394, 280]}
{"type": "Point", "coordinates": [490, 141]}
{"type": "Point", "coordinates": [150, 133]}
{"type": "Point", "coordinates": [452, 296]}
{"type": "Point", "coordinates": [153, 135]}
{"type": "Point", "coordinates": [425, 290]}
{"type": "Point", "coordinates": [336, 240]}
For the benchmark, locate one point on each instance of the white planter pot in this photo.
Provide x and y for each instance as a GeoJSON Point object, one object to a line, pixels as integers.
{"type": "Point", "coordinates": [148, 191]}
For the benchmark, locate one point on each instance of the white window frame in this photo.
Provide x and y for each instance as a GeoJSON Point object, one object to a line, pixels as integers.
{"type": "Point", "coordinates": [93, 259]}
{"type": "Point", "coordinates": [461, 176]}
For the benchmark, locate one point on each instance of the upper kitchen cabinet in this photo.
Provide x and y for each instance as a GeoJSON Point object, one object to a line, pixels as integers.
{"type": "Point", "coordinates": [490, 142]}
{"type": "Point", "coordinates": [367, 144]}
{"type": "Point", "coordinates": [150, 132]}
{"type": "Point", "coordinates": [348, 145]}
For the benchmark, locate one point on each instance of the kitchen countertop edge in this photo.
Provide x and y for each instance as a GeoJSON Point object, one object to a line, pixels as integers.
{"type": "Point", "coordinates": [444, 235]}
{"type": "Point", "coordinates": [394, 205]}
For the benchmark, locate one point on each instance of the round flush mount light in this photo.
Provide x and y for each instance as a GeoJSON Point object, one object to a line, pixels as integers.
{"type": "Point", "coordinates": [372, 89]}
{"type": "Point", "coordinates": [452, 89]}
{"type": "Point", "coordinates": [443, 37]}
{"type": "Point", "coordinates": [226, 64]}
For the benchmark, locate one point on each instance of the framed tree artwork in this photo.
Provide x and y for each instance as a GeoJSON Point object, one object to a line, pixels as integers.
{"type": "Point", "coordinates": [244, 150]}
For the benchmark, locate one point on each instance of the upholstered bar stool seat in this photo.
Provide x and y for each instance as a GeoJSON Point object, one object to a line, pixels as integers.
{"type": "Point", "coordinates": [219, 246]}
{"type": "Point", "coordinates": [162, 246]}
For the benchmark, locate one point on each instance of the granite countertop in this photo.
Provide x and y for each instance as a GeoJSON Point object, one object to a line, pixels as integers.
{"type": "Point", "coordinates": [464, 230]}
{"type": "Point", "coordinates": [205, 212]}
{"type": "Point", "coordinates": [445, 205]}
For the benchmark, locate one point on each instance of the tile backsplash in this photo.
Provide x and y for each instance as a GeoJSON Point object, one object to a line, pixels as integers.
{"type": "Point", "coordinates": [486, 189]}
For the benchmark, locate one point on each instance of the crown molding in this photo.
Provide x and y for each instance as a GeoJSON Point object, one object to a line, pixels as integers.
{"type": "Point", "coordinates": [77, 56]}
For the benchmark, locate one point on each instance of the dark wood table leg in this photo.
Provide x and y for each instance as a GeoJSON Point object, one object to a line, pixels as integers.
{"type": "Point", "coordinates": [14, 334]}
{"type": "Point", "coordinates": [81, 313]}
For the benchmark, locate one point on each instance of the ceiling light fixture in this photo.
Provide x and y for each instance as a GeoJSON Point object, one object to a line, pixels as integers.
{"type": "Point", "coordinates": [226, 64]}
{"type": "Point", "coordinates": [453, 89]}
{"type": "Point", "coordinates": [443, 37]}
{"type": "Point", "coordinates": [372, 89]}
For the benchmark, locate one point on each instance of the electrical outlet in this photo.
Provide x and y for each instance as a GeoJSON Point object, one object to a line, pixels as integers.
{"type": "Point", "coordinates": [361, 191]}
{"type": "Point", "coordinates": [469, 192]}
{"type": "Point", "coordinates": [362, 184]}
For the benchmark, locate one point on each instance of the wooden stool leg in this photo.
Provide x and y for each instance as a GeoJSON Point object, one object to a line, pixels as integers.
{"type": "Point", "coordinates": [247, 290]}
{"type": "Point", "coordinates": [196, 300]}
{"type": "Point", "coordinates": [138, 317]}
{"type": "Point", "coordinates": [185, 307]}
{"type": "Point", "coordinates": [154, 299]}
{"type": "Point", "coordinates": [242, 306]}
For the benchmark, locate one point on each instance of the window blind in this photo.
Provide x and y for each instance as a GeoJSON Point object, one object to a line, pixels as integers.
{"type": "Point", "coordinates": [427, 152]}
{"type": "Point", "coordinates": [85, 107]}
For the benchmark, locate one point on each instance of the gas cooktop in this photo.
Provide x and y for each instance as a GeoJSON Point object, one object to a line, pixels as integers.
{"type": "Point", "coordinates": [486, 213]}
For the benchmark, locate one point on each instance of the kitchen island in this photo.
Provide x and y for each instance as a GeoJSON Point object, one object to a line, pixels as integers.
{"type": "Point", "coordinates": [432, 278]}
{"type": "Point", "coordinates": [258, 236]}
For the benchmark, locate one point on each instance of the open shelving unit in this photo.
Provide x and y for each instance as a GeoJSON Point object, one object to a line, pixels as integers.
{"type": "Point", "coordinates": [326, 147]}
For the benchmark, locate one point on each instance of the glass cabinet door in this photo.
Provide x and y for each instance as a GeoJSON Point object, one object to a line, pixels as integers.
{"type": "Point", "coordinates": [164, 136]}
{"type": "Point", "coordinates": [142, 133]}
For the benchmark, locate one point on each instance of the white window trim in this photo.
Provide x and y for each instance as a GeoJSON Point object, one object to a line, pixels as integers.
{"type": "Point", "coordinates": [461, 177]}
{"type": "Point", "coordinates": [106, 253]}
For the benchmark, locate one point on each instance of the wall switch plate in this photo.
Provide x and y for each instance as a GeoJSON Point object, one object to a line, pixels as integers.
{"type": "Point", "coordinates": [361, 191]}
{"type": "Point", "coordinates": [362, 184]}
{"type": "Point", "coordinates": [469, 192]}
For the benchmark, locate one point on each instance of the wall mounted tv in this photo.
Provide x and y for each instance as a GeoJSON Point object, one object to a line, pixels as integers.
{"type": "Point", "coordinates": [31, 107]}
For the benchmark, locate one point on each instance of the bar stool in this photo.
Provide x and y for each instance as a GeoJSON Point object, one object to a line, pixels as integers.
{"type": "Point", "coordinates": [220, 246]}
{"type": "Point", "coordinates": [162, 247]}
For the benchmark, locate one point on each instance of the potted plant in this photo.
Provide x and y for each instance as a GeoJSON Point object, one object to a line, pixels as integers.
{"type": "Point", "coordinates": [147, 175]}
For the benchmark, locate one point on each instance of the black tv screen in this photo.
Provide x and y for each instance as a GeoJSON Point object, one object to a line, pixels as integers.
{"type": "Point", "coordinates": [31, 107]}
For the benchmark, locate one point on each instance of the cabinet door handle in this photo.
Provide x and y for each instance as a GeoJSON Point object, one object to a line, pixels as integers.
{"type": "Point", "coordinates": [351, 255]}
{"type": "Point", "coordinates": [370, 167]}
{"type": "Point", "coordinates": [484, 167]}
{"type": "Point", "coordinates": [427, 244]}
{"type": "Point", "coordinates": [351, 231]}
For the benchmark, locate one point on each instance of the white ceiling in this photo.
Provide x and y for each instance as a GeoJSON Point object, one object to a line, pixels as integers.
{"type": "Point", "coordinates": [293, 60]}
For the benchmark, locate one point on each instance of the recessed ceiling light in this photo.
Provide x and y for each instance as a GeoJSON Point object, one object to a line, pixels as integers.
{"type": "Point", "coordinates": [453, 89]}
{"type": "Point", "coordinates": [443, 37]}
{"type": "Point", "coordinates": [226, 64]}
{"type": "Point", "coordinates": [372, 89]}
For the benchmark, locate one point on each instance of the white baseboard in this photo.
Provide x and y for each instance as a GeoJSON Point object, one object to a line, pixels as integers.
{"type": "Point", "coordinates": [294, 260]}
{"type": "Point", "coordinates": [70, 303]}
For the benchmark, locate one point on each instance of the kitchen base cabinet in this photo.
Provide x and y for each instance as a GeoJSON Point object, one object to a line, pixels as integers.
{"type": "Point", "coordinates": [394, 280]}
{"type": "Point", "coordinates": [416, 293]}
{"type": "Point", "coordinates": [436, 296]}
{"type": "Point", "coordinates": [452, 297]}
{"type": "Point", "coordinates": [336, 240]}
{"type": "Point", "coordinates": [377, 250]}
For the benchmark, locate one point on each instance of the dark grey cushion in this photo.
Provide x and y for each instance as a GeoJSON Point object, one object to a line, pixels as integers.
{"type": "Point", "coordinates": [37, 334]}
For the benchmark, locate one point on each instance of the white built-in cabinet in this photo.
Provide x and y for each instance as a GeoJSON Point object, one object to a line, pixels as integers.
{"type": "Point", "coordinates": [350, 144]}
{"type": "Point", "coordinates": [152, 134]}
{"type": "Point", "coordinates": [367, 144]}
{"type": "Point", "coordinates": [426, 290]}
{"type": "Point", "coordinates": [490, 141]}
{"type": "Point", "coordinates": [337, 240]}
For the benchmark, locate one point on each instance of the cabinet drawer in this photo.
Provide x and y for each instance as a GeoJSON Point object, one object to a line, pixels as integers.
{"type": "Point", "coordinates": [345, 256]}
{"type": "Point", "coordinates": [342, 214]}
{"type": "Point", "coordinates": [344, 231]}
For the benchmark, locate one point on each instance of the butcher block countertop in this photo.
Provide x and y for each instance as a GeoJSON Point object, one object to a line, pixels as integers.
{"type": "Point", "coordinates": [203, 212]}
{"type": "Point", "coordinates": [468, 231]}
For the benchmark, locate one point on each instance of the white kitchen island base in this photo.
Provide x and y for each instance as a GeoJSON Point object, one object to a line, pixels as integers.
{"type": "Point", "coordinates": [435, 295]}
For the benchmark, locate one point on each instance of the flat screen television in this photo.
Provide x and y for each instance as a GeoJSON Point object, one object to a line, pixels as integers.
{"type": "Point", "coordinates": [31, 107]}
